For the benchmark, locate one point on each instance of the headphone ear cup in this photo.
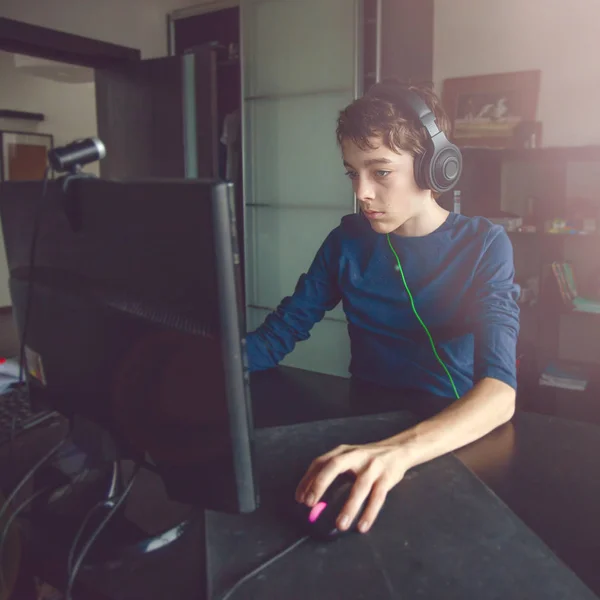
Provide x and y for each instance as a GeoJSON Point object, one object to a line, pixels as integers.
{"type": "Point", "coordinates": [445, 168]}
{"type": "Point", "coordinates": [421, 168]}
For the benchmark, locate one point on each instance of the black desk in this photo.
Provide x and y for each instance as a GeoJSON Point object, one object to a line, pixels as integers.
{"type": "Point", "coordinates": [541, 467]}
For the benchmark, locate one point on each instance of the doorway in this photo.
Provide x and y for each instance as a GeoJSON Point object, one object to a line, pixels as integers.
{"type": "Point", "coordinates": [48, 103]}
{"type": "Point", "coordinates": [219, 26]}
{"type": "Point", "coordinates": [37, 67]}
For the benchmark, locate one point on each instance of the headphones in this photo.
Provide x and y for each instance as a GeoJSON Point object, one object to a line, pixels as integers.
{"type": "Point", "coordinates": [439, 167]}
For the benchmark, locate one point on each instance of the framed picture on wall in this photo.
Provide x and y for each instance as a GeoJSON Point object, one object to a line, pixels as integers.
{"type": "Point", "coordinates": [23, 155]}
{"type": "Point", "coordinates": [496, 110]}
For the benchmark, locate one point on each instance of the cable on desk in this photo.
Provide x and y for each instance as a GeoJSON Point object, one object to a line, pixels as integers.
{"type": "Point", "coordinates": [86, 520]}
{"type": "Point", "coordinates": [97, 532]}
{"type": "Point", "coordinates": [29, 475]}
{"type": "Point", "coordinates": [28, 301]}
{"type": "Point", "coordinates": [6, 530]}
{"type": "Point", "coordinates": [262, 567]}
{"type": "Point", "coordinates": [106, 503]}
{"type": "Point", "coordinates": [32, 249]}
{"type": "Point", "coordinates": [29, 297]}
{"type": "Point", "coordinates": [17, 489]}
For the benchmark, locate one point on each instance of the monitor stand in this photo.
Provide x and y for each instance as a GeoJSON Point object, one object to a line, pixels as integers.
{"type": "Point", "coordinates": [146, 532]}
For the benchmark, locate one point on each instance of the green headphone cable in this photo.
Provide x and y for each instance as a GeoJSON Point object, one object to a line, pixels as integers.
{"type": "Point", "coordinates": [412, 303]}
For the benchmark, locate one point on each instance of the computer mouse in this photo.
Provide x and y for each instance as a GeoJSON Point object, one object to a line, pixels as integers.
{"type": "Point", "coordinates": [320, 519]}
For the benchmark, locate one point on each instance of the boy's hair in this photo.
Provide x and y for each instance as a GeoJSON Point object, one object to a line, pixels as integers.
{"type": "Point", "coordinates": [374, 116]}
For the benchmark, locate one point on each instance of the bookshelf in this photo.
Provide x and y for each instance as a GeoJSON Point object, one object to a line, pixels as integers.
{"type": "Point", "coordinates": [540, 186]}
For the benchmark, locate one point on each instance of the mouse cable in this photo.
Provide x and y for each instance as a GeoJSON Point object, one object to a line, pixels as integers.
{"type": "Point", "coordinates": [86, 547]}
{"type": "Point", "coordinates": [260, 568]}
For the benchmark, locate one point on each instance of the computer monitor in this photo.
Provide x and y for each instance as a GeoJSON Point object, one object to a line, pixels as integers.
{"type": "Point", "coordinates": [136, 323]}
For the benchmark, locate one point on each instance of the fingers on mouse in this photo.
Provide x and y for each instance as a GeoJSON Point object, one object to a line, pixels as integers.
{"type": "Point", "coordinates": [322, 519]}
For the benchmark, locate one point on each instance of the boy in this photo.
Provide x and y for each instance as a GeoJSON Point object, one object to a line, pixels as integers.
{"type": "Point", "coordinates": [429, 296]}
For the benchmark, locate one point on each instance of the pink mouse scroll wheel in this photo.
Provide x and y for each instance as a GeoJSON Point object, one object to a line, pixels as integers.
{"type": "Point", "coordinates": [317, 509]}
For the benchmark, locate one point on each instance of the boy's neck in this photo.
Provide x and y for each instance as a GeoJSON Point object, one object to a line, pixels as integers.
{"type": "Point", "coordinates": [426, 221]}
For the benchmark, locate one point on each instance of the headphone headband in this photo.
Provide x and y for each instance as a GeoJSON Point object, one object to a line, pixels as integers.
{"type": "Point", "coordinates": [439, 168]}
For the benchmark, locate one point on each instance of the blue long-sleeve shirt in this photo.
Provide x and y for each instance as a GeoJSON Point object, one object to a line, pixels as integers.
{"type": "Point", "coordinates": [461, 277]}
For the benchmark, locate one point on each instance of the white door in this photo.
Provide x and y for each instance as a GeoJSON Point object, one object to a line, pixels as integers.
{"type": "Point", "coordinates": [301, 65]}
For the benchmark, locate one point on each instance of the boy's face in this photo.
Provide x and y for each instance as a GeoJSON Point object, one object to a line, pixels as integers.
{"type": "Point", "coordinates": [384, 184]}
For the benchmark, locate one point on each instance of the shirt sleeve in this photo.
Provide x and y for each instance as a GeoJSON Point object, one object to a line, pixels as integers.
{"type": "Point", "coordinates": [316, 292]}
{"type": "Point", "coordinates": [495, 312]}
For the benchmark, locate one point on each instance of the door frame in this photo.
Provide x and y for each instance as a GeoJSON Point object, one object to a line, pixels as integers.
{"type": "Point", "coordinates": [202, 8]}
{"type": "Point", "coordinates": [32, 40]}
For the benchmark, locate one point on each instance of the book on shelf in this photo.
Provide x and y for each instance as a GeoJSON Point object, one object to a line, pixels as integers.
{"type": "Point", "coordinates": [565, 279]}
{"type": "Point", "coordinates": [566, 376]}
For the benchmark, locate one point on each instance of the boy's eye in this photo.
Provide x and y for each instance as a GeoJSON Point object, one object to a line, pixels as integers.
{"type": "Point", "coordinates": [380, 173]}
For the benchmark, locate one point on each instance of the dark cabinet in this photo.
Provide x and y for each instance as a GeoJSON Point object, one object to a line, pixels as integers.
{"type": "Point", "coordinates": [157, 118]}
{"type": "Point", "coordinates": [397, 40]}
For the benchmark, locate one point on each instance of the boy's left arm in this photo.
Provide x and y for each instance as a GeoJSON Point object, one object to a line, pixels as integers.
{"type": "Point", "coordinates": [489, 404]}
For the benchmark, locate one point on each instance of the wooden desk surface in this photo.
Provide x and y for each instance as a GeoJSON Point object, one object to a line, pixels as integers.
{"type": "Point", "coordinates": [542, 468]}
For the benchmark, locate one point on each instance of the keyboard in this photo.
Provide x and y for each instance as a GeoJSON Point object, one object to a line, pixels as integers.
{"type": "Point", "coordinates": [16, 414]}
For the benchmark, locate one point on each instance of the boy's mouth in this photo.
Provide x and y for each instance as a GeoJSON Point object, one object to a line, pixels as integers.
{"type": "Point", "coordinates": [373, 214]}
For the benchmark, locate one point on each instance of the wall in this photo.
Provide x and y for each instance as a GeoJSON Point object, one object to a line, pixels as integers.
{"type": "Point", "coordinates": [70, 110]}
{"type": "Point", "coordinates": [560, 38]}
{"type": "Point", "coordinates": [135, 23]}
